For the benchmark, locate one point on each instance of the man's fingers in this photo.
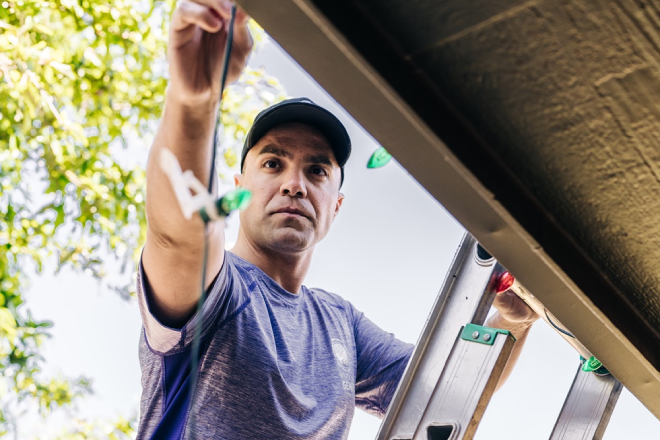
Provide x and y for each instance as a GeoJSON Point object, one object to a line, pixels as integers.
{"type": "Point", "coordinates": [193, 13]}
{"type": "Point", "coordinates": [241, 32]}
{"type": "Point", "coordinates": [212, 16]}
{"type": "Point", "coordinates": [220, 7]}
{"type": "Point", "coordinates": [241, 16]}
{"type": "Point", "coordinates": [512, 308]}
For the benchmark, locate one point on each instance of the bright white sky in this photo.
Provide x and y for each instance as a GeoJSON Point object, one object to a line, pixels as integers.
{"type": "Point", "coordinates": [388, 254]}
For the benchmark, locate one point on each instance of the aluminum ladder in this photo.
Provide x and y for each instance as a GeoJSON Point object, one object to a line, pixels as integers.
{"type": "Point", "coordinates": [457, 363]}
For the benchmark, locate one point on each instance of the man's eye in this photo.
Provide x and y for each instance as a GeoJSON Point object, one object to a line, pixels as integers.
{"type": "Point", "coordinates": [319, 171]}
{"type": "Point", "coordinates": [270, 164]}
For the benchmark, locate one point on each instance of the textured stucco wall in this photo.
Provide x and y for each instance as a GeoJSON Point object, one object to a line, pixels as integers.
{"type": "Point", "coordinates": [568, 94]}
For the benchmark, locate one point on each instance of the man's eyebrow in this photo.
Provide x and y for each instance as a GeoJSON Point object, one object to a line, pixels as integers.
{"type": "Point", "coordinates": [319, 159]}
{"type": "Point", "coordinates": [272, 149]}
{"type": "Point", "coordinates": [322, 159]}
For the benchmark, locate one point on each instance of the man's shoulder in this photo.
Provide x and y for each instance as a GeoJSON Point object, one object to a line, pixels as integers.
{"type": "Point", "coordinates": [234, 260]}
{"type": "Point", "coordinates": [240, 267]}
{"type": "Point", "coordinates": [330, 298]}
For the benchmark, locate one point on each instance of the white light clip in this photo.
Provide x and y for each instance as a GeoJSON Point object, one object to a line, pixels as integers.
{"type": "Point", "coordinates": [184, 181]}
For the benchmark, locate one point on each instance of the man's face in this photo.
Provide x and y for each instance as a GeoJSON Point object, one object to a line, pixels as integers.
{"type": "Point", "coordinates": [294, 179]}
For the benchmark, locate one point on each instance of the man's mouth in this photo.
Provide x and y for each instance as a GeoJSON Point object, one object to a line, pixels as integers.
{"type": "Point", "coordinates": [292, 212]}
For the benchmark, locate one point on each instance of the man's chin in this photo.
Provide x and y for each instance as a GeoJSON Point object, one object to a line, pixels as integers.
{"type": "Point", "coordinates": [290, 239]}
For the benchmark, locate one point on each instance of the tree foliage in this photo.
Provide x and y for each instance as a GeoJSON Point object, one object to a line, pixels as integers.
{"type": "Point", "coordinates": [82, 86]}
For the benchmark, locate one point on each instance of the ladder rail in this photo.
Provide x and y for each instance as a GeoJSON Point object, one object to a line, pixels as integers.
{"type": "Point", "coordinates": [465, 297]}
{"type": "Point", "coordinates": [588, 407]}
{"type": "Point", "coordinates": [465, 387]}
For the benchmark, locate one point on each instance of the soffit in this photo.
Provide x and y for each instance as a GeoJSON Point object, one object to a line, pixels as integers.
{"type": "Point", "coordinates": [534, 123]}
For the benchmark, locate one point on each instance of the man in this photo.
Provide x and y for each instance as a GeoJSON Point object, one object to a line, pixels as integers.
{"type": "Point", "coordinates": [277, 360]}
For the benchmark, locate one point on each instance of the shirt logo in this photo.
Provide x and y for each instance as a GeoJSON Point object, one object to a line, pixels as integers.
{"type": "Point", "coordinates": [341, 353]}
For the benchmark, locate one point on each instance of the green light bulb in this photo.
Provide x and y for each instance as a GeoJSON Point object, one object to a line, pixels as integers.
{"type": "Point", "coordinates": [380, 158]}
{"type": "Point", "coordinates": [237, 199]}
{"type": "Point", "coordinates": [591, 364]}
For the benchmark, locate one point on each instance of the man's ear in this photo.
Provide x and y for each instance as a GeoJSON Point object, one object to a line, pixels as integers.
{"type": "Point", "coordinates": [340, 200]}
{"type": "Point", "coordinates": [238, 180]}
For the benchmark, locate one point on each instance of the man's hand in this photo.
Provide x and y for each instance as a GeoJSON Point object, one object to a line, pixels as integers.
{"type": "Point", "coordinates": [513, 309]}
{"type": "Point", "coordinates": [198, 33]}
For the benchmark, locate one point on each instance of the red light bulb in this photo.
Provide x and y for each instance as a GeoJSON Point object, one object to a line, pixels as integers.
{"type": "Point", "coordinates": [504, 283]}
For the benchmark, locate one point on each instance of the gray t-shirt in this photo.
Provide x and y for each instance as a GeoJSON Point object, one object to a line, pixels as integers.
{"type": "Point", "coordinates": [273, 365]}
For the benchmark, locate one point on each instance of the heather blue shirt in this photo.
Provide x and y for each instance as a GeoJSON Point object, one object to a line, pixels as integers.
{"type": "Point", "coordinates": [273, 365]}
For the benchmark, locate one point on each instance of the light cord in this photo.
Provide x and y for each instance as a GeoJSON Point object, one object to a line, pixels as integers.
{"type": "Point", "coordinates": [202, 297]}
{"type": "Point", "coordinates": [559, 329]}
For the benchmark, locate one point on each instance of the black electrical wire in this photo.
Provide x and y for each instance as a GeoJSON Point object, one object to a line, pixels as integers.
{"type": "Point", "coordinates": [559, 329]}
{"type": "Point", "coordinates": [200, 303]}
{"type": "Point", "coordinates": [223, 80]}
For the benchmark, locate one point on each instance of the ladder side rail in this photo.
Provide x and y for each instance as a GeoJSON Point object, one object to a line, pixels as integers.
{"type": "Point", "coordinates": [588, 407]}
{"type": "Point", "coordinates": [465, 387]}
{"type": "Point", "coordinates": [465, 297]}
{"type": "Point", "coordinates": [403, 388]}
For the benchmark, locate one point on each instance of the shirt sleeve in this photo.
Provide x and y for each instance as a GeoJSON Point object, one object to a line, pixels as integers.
{"type": "Point", "coordinates": [167, 340]}
{"type": "Point", "coordinates": [381, 361]}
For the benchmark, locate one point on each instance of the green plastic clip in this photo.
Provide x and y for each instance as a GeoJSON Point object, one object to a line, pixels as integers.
{"type": "Point", "coordinates": [481, 334]}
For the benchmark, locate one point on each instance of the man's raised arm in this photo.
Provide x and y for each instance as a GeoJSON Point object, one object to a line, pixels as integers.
{"type": "Point", "coordinates": [172, 256]}
{"type": "Point", "coordinates": [517, 317]}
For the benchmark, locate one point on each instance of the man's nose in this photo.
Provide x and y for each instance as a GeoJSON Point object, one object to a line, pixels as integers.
{"type": "Point", "coordinates": [294, 184]}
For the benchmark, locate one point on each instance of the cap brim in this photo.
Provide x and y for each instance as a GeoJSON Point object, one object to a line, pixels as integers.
{"type": "Point", "coordinates": [303, 112]}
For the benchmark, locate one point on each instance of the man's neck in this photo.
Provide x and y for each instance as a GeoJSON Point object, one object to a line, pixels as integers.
{"type": "Point", "coordinates": [286, 269]}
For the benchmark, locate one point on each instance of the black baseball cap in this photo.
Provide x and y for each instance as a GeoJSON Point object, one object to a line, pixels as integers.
{"type": "Point", "coordinates": [305, 111]}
